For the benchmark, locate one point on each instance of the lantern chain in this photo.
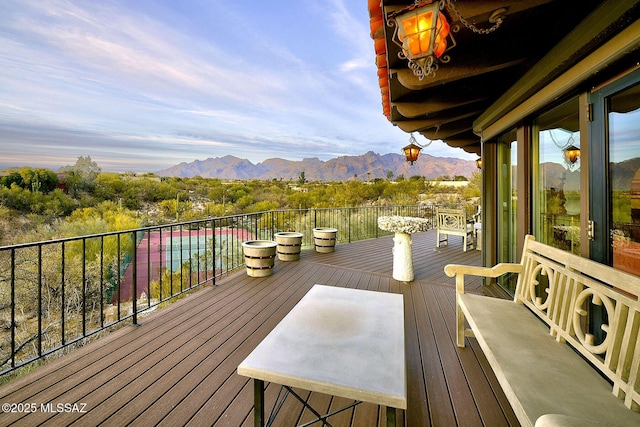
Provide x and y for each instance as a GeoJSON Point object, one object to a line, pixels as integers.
{"type": "Point", "coordinates": [560, 145]}
{"type": "Point", "coordinates": [496, 18]}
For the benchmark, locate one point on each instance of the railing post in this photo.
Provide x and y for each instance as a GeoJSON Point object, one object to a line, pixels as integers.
{"type": "Point", "coordinates": [149, 267]}
{"type": "Point", "coordinates": [118, 278]}
{"type": "Point", "coordinates": [13, 308]}
{"type": "Point", "coordinates": [84, 287]}
{"type": "Point", "coordinates": [134, 284]}
{"type": "Point", "coordinates": [39, 300]}
{"type": "Point", "coordinates": [102, 282]}
{"type": "Point", "coordinates": [213, 250]}
{"type": "Point", "coordinates": [170, 260]}
{"type": "Point", "coordinates": [181, 262]}
{"type": "Point", "coordinates": [190, 252]}
{"type": "Point", "coordinates": [62, 313]}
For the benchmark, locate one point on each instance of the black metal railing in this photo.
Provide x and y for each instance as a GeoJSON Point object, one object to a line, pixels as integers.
{"type": "Point", "coordinates": [59, 292]}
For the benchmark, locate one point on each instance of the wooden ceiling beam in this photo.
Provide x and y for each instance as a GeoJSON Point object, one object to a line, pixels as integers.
{"type": "Point", "coordinates": [454, 72]}
{"type": "Point", "coordinates": [447, 132]}
{"type": "Point", "coordinates": [480, 11]}
{"type": "Point", "coordinates": [416, 109]}
{"type": "Point", "coordinates": [418, 125]}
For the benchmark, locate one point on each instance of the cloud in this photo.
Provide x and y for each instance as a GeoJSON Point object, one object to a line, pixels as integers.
{"type": "Point", "coordinates": [143, 85]}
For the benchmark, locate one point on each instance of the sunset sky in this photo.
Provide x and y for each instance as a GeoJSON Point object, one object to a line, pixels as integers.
{"type": "Point", "coordinates": [142, 85]}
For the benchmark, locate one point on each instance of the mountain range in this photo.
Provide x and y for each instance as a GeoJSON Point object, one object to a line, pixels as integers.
{"type": "Point", "coordinates": [366, 166]}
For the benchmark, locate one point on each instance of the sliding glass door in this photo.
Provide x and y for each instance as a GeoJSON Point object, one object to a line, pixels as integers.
{"type": "Point", "coordinates": [556, 187]}
{"type": "Point", "coordinates": [507, 204]}
{"type": "Point", "coordinates": [615, 177]}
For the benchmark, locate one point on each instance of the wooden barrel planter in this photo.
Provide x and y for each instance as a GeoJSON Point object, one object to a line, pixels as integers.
{"type": "Point", "coordinates": [289, 245]}
{"type": "Point", "coordinates": [324, 239]}
{"type": "Point", "coordinates": [259, 257]}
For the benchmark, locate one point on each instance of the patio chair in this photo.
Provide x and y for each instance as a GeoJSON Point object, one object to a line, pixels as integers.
{"type": "Point", "coordinates": [454, 222]}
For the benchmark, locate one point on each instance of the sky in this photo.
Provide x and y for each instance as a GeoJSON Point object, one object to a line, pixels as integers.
{"type": "Point", "coordinates": [142, 85]}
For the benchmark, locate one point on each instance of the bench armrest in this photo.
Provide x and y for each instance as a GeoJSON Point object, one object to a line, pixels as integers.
{"type": "Point", "coordinates": [558, 420]}
{"type": "Point", "coordinates": [459, 271]}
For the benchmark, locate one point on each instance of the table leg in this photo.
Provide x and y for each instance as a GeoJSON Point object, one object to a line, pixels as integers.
{"type": "Point", "coordinates": [391, 417]}
{"type": "Point", "coordinates": [258, 403]}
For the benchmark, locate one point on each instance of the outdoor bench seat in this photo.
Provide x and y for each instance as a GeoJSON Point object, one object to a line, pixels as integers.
{"type": "Point", "coordinates": [454, 222]}
{"type": "Point", "coordinates": [552, 370]}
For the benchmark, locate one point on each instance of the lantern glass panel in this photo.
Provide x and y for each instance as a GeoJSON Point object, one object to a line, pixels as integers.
{"type": "Point", "coordinates": [418, 28]}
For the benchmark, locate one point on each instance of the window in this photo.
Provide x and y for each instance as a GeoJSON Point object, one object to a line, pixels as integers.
{"type": "Point", "coordinates": [624, 171]}
{"type": "Point", "coordinates": [557, 184]}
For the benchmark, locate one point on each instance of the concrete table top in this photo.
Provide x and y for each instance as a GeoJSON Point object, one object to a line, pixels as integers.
{"type": "Point", "coordinates": [338, 341]}
{"type": "Point", "coordinates": [403, 224]}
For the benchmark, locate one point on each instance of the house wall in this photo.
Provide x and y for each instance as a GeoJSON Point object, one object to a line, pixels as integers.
{"type": "Point", "coordinates": [604, 65]}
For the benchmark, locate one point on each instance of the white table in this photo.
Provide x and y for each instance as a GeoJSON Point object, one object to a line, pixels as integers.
{"type": "Point", "coordinates": [339, 341]}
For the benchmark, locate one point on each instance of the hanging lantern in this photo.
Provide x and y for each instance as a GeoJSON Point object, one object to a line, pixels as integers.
{"type": "Point", "coordinates": [572, 153]}
{"type": "Point", "coordinates": [479, 163]}
{"type": "Point", "coordinates": [411, 152]}
{"type": "Point", "coordinates": [422, 31]}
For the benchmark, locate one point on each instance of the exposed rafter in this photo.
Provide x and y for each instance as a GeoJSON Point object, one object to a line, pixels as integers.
{"type": "Point", "coordinates": [482, 66]}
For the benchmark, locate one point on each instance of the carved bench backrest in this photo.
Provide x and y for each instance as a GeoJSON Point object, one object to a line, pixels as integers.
{"type": "Point", "coordinates": [560, 288]}
{"type": "Point", "coordinates": [451, 219]}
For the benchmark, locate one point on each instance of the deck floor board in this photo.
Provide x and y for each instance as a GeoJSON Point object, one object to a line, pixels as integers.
{"type": "Point", "coordinates": [177, 367]}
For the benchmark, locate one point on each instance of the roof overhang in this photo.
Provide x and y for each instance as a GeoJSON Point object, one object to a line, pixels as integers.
{"type": "Point", "coordinates": [490, 74]}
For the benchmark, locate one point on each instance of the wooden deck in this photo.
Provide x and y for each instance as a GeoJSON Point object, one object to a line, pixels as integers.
{"type": "Point", "coordinates": [178, 366]}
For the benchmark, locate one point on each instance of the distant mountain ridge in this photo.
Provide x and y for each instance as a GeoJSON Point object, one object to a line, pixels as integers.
{"type": "Point", "coordinates": [366, 166]}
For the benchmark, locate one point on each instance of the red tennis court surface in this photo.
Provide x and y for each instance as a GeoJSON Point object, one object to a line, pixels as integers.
{"type": "Point", "coordinates": [154, 254]}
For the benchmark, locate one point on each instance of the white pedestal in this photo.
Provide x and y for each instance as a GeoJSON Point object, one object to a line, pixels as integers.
{"type": "Point", "coordinates": [402, 257]}
{"type": "Point", "coordinates": [478, 235]}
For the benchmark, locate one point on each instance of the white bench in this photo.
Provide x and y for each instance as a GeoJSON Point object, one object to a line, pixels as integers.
{"type": "Point", "coordinates": [538, 344]}
{"type": "Point", "coordinates": [453, 221]}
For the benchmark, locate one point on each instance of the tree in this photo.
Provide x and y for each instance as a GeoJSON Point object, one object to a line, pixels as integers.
{"type": "Point", "coordinates": [38, 179]}
{"type": "Point", "coordinates": [12, 178]}
{"type": "Point", "coordinates": [83, 173]}
{"type": "Point", "coordinates": [302, 179]}
{"type": "Point", "coordinates": [474, 189]}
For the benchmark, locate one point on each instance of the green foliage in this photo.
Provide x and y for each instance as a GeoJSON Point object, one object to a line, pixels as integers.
{"type": "Point", "coordinates": [402, 193]}
{"type": "Point", "coordinates": [12, 178]}
{"type": "Point", "coordinates": [82, 174]}
{"type": "Point", "coordinates": [53, 205]}
{"type": "Point", "coordinates": [621, 201]}
{"type": "Point", "coordinates": [474, 189]}
{"type": "Point", "coordinates": [302, 179]}
{"type": "Point", "coordinates": [109, 214]}
{"type": "Point", "coordinates": [262, 206]}
{"type": "Point", "coordinates": [38, 179]}
{"type": "Point", "coordinates": [169, 283]}
{"type": "Point", "coordinates": [101, 197]}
